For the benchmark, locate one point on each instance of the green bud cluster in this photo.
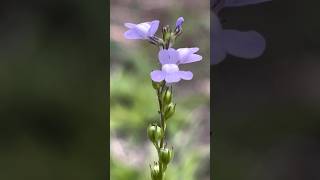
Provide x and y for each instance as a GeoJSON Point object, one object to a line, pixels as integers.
{"type": "Point", "coordinates": [168, 37]}
{"type": "Point", "coordinates": [156, 132]}
{"type": "Point", "coordinates": [165, 156]}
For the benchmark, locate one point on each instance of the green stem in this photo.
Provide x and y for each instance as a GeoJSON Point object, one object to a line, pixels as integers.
{"type": "Point", "coordinates": [162, 125]}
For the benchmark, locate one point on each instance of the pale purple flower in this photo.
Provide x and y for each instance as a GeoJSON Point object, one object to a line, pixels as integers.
{"type": "Point", "coordinates": [170, 59]}
{"type": "Point", "coordinates": [143, 30]}
{"type": "Point", "coordinates": [179, 23]}
{"type": "Point", "coordinates": [243, 44]}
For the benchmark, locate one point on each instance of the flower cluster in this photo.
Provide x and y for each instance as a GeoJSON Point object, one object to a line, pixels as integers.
{"type": "Point", "coordinates": [243, 44]}
{"type": "Point", "coordinates": [169, 58]}
{"type": "Point", "coordinates": [169, 73]}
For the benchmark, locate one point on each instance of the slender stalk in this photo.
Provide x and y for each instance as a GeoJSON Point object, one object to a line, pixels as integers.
{"type": "Point", "coordinates": [162, 125]}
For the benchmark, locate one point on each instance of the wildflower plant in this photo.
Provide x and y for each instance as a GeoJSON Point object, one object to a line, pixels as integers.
{"type": "Point", "coordinates": [163, 80]}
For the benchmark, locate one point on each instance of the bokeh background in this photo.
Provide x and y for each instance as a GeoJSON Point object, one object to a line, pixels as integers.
{"type": "Point", "coordinates": [266, 112]}
{"type": "Point", "coordinates": [53, 95]}
{"type": "Point", "coordinates": [133, 103]}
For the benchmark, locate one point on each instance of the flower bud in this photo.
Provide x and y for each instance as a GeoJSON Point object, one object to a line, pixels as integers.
{"type": "Point", "coordinates": [167, 97]}
{"type": "Point", "coordinates": [155, 172]}
{"type": "Point", "coordinates": [166, 155]}
{"type": "Point", "coordinates": [155, 133]}
{"type": "Point", "coordinates": [171, 108]}
{"type": "Point", "coordinates": [165, 30]}
{"type": "Point", "coordinates": [178, 29]}
{"type": "Point", "coordinates": [179, 23]}
{"type": "Point", "coordinates": [166, 33]}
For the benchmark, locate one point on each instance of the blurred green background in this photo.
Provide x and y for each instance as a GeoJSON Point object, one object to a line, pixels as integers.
{"type": "Point", "coordinates": [266, 117]}
{"type": "Point", "coordinates": [133, 103]}
{"type": "Point", "coordinates": [53, 95]}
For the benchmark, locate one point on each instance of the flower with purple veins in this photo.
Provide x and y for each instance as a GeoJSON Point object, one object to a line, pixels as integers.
{"type": "Point", "coordinates": [170, 59]}
{"type": "Point", "coordinates": [143, 30]}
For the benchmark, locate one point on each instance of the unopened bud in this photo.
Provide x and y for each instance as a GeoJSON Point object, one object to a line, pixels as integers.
{"type": "Point", "coordinates": [155, 172]}
{"type": "Point", "coordinates": [165, 29]}
{"type": "Point", "coordinates": [166, 155]}
{"type": "Point", "coordinates": [179, 23]}
{"type": "Point", "coordinates": [155, 133]}
{"type": "Point", "coordinates": [166, 34]}
{"type": "Point", "coordinates": [171, 108]}
{"type": "Point", "coordinates": [167, 96]}
{"type": "Point", "coordinates": [178, 29]}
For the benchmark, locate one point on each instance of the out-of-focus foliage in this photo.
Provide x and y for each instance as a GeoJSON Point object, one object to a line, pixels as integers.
{"type": "Point", "coordinates": [134, 102]}
{"type": "Point", "coordinates": [53, 90]}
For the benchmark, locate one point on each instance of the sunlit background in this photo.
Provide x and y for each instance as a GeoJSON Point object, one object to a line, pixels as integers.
{"type": "Point", "coordinates": [133, 103]}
